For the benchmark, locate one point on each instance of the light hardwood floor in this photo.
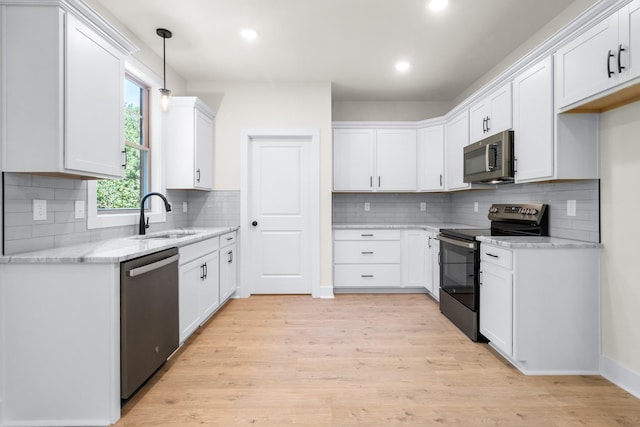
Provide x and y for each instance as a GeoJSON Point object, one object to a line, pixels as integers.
{"type": "Point", "coordinates": [369, 360]}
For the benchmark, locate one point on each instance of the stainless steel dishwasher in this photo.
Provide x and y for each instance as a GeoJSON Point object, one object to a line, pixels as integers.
{"type": "Point", "coordinates": [149, 325]}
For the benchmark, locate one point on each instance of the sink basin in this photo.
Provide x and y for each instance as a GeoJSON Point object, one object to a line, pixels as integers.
{"type": "Point", "coordinates": [175, 234]}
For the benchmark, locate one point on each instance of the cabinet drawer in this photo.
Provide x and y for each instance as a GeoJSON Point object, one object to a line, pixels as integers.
{"type": "Point", "coordinates": [367, 235]}
{"type": "Point", "coordinates": [366, 275]}
{"type": "Point", "coordinates": [228, 239]}
{"type": "Point", "coordinates": [497, 256]}
{"type": "Point", "coordinates": [196, 250]}
{"type": "Point", "coordinates": [375, 252]}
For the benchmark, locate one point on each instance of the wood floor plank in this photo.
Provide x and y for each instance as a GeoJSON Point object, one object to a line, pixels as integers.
{"type": "Point", "coordinates": [359, 360]}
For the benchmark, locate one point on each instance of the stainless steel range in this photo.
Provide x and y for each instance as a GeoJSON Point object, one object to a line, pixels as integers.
{"type": "Point", "coordinates": [460, 260]}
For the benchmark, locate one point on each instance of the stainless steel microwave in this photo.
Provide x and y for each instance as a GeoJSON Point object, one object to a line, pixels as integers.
{"type": "Point", "coordinates": [490, 160]}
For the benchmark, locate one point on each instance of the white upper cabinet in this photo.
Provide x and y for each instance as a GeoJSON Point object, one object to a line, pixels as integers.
{"type": "Point", "coordinates": [64, 97]}
{"type": "Point", "coordinates": [491, 115]}
{"type": "Point", "coordinates": [374, 160]}
{"type": "Point", "coordinates": [353, 159]}
{"type": "Point", "coordinates": [396, 159]}
{"type": "Point", "coordinates": [456, 138]}
{"type": "Point", "coordinates": [189, 138]}
{"type": "Point", "coordinates": [601, 58]}
{"type": "Point", "coordinates": [431, 158]}
{"type": "Point", "coordinates": [533, 122]}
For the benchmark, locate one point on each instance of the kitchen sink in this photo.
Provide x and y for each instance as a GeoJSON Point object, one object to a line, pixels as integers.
{"type": "Point", "coordinates": [175, 234]}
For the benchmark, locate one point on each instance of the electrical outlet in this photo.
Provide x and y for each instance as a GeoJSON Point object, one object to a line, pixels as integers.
{"type": "Point", "coordinates": [79, 209]}
{"type": "Point", "coordinates": [367, 207]}
{"type": "Point", "coordinates": [571, 208]}
{"type": "Point", "coordinates": [423, 206]}
{"type": "Point", "coordinates": [475, 206]}
{"type": "Point", "coordinates": [39, 210]}
{"type": "Point", "coordinates": [185, 207]}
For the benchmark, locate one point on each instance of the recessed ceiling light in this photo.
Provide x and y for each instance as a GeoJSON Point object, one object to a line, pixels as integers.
{"type": "Point", "coordinates": [438, 4]}
{"type": "Point", "coordinates": [249, 34]}
{"type": "Point", "coordinates": [403, 66]}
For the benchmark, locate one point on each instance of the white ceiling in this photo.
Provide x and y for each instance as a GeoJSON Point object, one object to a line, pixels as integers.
{"type": "Point", "coordinates": [352, 43]}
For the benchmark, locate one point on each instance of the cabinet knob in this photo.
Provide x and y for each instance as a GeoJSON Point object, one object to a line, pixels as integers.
{"type": "Point", "coordinates": [254, 223]}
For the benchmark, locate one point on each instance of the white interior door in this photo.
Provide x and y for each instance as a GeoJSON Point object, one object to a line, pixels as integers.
{"type": "Point", "coordinates": [279, 215]}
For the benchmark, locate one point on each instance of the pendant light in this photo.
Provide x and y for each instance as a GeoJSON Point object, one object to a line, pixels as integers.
{"type": "Point", "coordinates": [164, 92]}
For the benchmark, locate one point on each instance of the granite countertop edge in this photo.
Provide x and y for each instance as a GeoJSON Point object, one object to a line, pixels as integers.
{"type": "Point", "coordinates": [435, 227]}
{"type": "Point", "coordinates": [115, 250]}
{"type": "Point", "coordinates": [537, 242]}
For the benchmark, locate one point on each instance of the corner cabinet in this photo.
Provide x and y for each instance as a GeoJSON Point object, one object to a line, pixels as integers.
{"type": "Point", "coordinates": [456, 138]}
{"type": "Point", "coordinates": [374, 160]}
{"type": "Point", "coordinates": [63, 76]}
{"type": "Point", "coordinates": [601, 58]}
{"type": "Point", "coordinates": [189, 139]}
{"type": "Point", "coordinates": [431, 158]}
{"type": "Point", "coordinates": [543, 320]}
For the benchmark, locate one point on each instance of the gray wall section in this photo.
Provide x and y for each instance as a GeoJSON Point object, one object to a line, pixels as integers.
{"type": "Point", "coordinates": [222, 208]}
{"type": "Point", "coordinates": [459, 207]}
{"type": "Point", "coordinates": [23, 234]}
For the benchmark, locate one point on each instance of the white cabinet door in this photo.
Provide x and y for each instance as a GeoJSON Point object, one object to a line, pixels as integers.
{"type": "Point", "coordinates": [396, 159]}
{"type": "Point", "coordinates": [496, 306]}
{"type": "Point", "coordinates": [414, 253]}
{"type": "Point", "coordinates": [491, 115]}
{"type": "Point", "coordinates": [228, 272]}
{"type": "Point", "coordinates": [94, 115]}
{"type": "Point", "coordinates": [353, 158]}
{"type": "Point", "coordinates": [203, 177]}
{"type": "Point", "coordinates": [190, 315]}
{"type": "Point", "coordinates": [431, 158]}
{"type": "Point", "coordinates": [533, 122]}
{"type": "Point", "coordinates": [210, 285]}
{"type": "Point", "coordinates": [587, 65]}
{"type": "Point", "coordinates": [189, 138]}
{"type": "Point", "coordinates": [629, 21]}
{"type": "Point", "coordinates": [456, 138]}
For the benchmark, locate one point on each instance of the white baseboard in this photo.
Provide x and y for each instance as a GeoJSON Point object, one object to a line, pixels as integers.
{"type": "Point", "coordinates": [326, 291]}
{"type": "Point", "coordinates": [621, 376]}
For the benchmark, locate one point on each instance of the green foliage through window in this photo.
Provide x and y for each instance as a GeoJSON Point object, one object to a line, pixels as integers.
{"type": "Point", "coordinates": [126, 193]}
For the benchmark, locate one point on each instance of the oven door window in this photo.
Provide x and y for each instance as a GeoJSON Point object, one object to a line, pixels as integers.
{"type": "Point", "coordinates": [458, 273]}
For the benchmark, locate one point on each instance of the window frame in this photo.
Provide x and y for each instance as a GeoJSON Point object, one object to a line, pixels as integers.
{"type": "Point", "coordinates": [155, 212]}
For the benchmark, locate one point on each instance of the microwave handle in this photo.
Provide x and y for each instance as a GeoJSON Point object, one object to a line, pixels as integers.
{"type": "Point", "coordinates": [490, 158]}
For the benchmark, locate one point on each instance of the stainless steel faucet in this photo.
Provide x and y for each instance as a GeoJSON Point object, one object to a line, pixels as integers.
{"type": "Point", "coordinates": [144, 225]}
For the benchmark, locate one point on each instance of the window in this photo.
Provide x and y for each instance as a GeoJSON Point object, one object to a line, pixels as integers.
{"type": "Point", "coordinates": [116, 196]}
{"type": "Point", "coordinates": [113, 203]}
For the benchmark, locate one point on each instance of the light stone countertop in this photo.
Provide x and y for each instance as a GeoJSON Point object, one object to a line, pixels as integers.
{"type": "Point", "coordinates": [435, 227]}
{"type": "Point", "coordinates": [536, 242]}
{"type": "Point", "coordinates": [114, 250]}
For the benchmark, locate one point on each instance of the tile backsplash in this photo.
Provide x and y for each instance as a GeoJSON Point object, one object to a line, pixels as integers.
{"type": "Point", "coordinates": [22, 233]}
{"type": "Point", "coordinates": [458, 207]}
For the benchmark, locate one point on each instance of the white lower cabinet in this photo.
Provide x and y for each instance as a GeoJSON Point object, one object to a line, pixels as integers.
{"type": "Point", "coordinates": [228, 265]}
{"type": "Point", "coordinates": [496, 300]}
{"type": "Point", "coordinates": [367, 258]}
{"type": "Point", "coordinates": [199, 295]}
{"type": "Point", "coordinates": [432, 265]}
{"type": "Point", "coordinates": [539, 307]}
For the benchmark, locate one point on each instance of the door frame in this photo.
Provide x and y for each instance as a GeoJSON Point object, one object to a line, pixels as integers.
{"type": "Point", "coordinates": [313, 137]}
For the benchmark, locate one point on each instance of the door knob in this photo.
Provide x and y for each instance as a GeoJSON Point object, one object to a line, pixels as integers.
{"type": "Point", "coordinates": [254, 223]}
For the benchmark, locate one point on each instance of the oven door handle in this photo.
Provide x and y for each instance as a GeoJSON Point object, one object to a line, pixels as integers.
{"type": "Point", "coordinates": [468, 245]}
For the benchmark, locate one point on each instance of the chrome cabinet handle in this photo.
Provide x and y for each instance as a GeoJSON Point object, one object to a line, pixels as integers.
{"type": "Point", "coordinates": [124, 159]}
{"type": "Point", "coordinates": [492, 255]}
{"type": "Point", "coordinates": [367, 253]}
{"type": "Point", "coordinates": [230, 253]}
{"type": "Point", "coordinates": [198, 175]}
{"type": "Point", "coordinates": [366, 235]}
{"type": "Point", "coordinates": [440, 180]}
{"type": "Point", "coordinates": [429, 242]}
{"type": "Point", "coordinates": [366, 276]}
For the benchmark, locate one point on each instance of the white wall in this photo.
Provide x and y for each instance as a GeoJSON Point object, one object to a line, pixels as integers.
{"type": "Point", "coordinates": [241, 106]}
{"type": "Point", "coordinates": [620, 203]}
{"type": "Point", "coordinates": [388, 111]}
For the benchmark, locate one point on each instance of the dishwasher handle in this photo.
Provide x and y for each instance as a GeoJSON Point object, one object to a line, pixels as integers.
{"type": "Point", "coordinates": [153, 266]}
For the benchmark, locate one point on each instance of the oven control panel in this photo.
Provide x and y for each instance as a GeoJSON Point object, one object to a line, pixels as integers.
{"type": "Point", "coordinates": [525, 211]}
